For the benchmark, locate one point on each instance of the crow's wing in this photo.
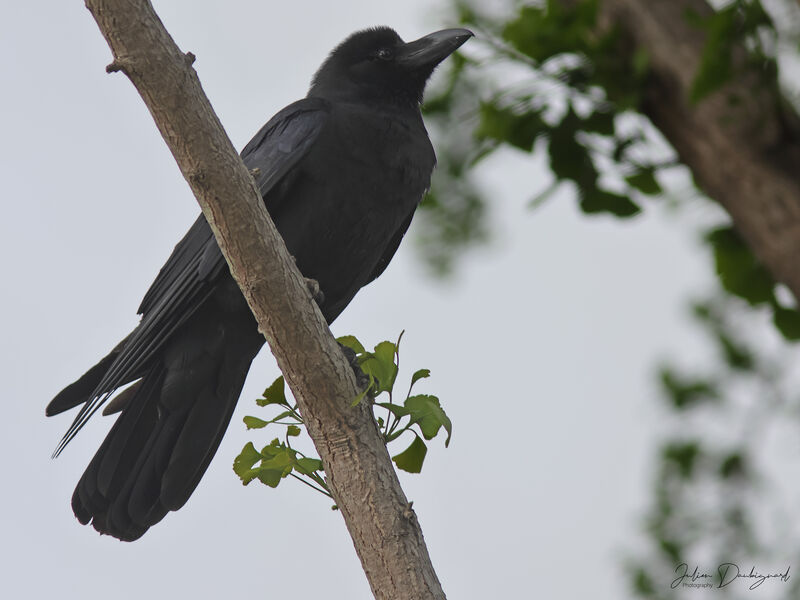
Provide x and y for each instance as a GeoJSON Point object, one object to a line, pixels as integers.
{"type": "Point", "coordinates": [284, 140]}
{"type": "Point", "coordinates": [274, 150]}
{"type": "Point", "coordinates": [391, 248]}
{"type": "Point", "coordinates": [190, 273]}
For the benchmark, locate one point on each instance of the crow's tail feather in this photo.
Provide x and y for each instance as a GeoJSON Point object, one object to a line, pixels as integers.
{"type": "Point", "coordinates": [85, 387]}
{"type": "Point", "coordinates": [160, 446]}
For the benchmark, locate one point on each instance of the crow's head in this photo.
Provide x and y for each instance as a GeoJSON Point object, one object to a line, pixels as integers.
{"type": "Point", "coordinates": [377, 65]}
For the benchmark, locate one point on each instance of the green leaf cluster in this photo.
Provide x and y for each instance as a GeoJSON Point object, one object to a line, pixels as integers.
{"type": "Point", "coordinates": [581, 81]}
{"type": "Point", "coordinates": [685, 392]}
{"type": "Point", "coordinates": [683, 457]}
{"type": "Point", "coordinates": [420, 415]}
{"type": "Point", "coordinates": [278, 459]}
{"type": "Point", "coordinates": [274, 462]}
{"type": "Point", "coordinates": [727, 29]}
{"type": "Point", "coordinates": [743, 275]}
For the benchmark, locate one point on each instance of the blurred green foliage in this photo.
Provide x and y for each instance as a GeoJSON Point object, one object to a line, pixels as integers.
{"type": "Point", "coordinates": [714, 488]}
{"type": "Point", "coordinates": [726, 29]}
{"type": "Point", "coordinates": [575, 87]}
{"type": "Point", "coordinates": [576, 99]}
{"type": "Point", "coordinates": [541, 79]}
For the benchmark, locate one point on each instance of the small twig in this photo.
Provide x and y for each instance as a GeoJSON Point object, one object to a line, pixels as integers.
{"type": "Point", "coordinates": [114, 67]}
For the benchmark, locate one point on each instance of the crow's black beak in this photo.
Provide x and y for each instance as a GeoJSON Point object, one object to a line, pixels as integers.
{"type": "Point", "coordinates": [429, 51]}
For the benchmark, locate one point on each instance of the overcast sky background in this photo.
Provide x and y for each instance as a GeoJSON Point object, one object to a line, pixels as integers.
{"type": "Point", "coordinates": [541, 350]}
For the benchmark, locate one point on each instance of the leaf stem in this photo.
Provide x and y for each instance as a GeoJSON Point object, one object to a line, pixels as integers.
{"type": "Point", "coordinates": [313, 487]}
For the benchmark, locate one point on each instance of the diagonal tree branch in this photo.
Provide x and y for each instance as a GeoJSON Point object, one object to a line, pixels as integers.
{"type": "Point", "coordinates": [384, 528]}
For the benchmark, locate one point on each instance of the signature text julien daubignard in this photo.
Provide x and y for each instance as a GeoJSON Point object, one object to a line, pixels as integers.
{"type": "Point", "coordinates": [726, 574]}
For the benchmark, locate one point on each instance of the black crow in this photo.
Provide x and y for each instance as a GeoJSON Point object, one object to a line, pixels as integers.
{"type": "Point", "coordinates": [341, 173]}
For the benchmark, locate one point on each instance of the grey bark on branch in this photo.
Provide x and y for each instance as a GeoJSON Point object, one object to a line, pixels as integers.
{"type": "Point", "coordinates": [740, 143]}
{"type": "Point", "coordinates": [381, 522]}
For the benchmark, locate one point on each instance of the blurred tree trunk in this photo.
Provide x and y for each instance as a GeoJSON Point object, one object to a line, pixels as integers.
{"type": "Point", "coordinates": [741, 142]}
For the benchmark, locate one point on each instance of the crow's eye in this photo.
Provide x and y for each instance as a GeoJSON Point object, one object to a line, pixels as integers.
{"type": "Point", "coordinates": [384, 54]}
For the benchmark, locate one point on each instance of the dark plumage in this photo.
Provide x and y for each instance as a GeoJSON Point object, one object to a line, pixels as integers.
{"type": "Point", "coordinates": [341, 173]}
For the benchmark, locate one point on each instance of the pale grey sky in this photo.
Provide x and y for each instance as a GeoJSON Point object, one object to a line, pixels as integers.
{"type": "Point", "coordinates": [541, 350]}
